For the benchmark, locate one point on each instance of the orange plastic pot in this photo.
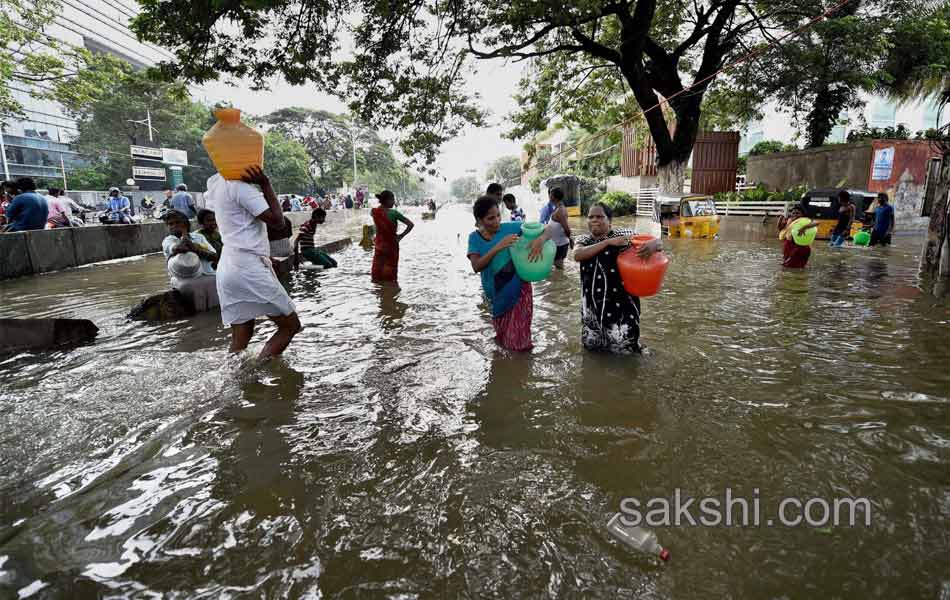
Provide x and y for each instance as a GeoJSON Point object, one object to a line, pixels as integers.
{"type": "Point", "coordinates": [642, 277]}
{"type": "Point", "coordinates": [639, 240]}
{"type": "Point", "coordinates": [232, 145]}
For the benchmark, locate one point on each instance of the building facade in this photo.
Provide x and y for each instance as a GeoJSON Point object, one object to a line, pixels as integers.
{"type": "Point", "coordinates": [38, 145]}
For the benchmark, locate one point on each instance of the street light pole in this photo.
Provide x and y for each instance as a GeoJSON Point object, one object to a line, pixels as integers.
{"type": "Point", "coordinates": [353, 143]}
{"type": "Point", "coordinates": [3, 153]}
{"type": "Point", "coordinates": [147, 122]}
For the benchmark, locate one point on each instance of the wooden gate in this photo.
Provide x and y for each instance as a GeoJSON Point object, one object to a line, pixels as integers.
{"type": "Point", "coordinates": [715, 159]}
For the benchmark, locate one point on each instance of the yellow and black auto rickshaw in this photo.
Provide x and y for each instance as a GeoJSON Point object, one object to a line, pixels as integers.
{"type": "Point", "coordinates": [687, 216]}
{"type": "Point", "coordinates": [571, 186]}
{"type": "Point", "coordinates": [821, 204]}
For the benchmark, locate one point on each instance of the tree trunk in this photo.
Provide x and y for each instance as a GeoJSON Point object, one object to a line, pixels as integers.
{"type": "Point", "coordinates": [671, 177]}
{"type": "Point", "coordinates": [673, 156]}
{"type": "Point", "coordinates": [932, 255]}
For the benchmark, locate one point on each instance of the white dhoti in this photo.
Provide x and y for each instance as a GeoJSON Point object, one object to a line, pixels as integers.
{"type": "Point", "coordinates": [248, 288]}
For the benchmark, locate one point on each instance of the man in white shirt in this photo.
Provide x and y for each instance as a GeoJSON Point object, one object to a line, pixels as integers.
{"type": "Point", "coordinates": [198, 283]}
{"type": "Point", "coordinates": [247, 285]}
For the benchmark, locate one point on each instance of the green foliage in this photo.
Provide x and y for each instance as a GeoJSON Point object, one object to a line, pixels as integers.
{"type": "Point", "coordinates": [896, 47]}
{"type": "Point", "coordinates": [286, 162]}
{"type": "Point", "coordinates": [621, 203]}
{"type": "Point", "coordinates": [760, 194]}
{"type": "Point", "coordinates": [505, 170]}
{"type": "Point", "coordinates": [329, 139]}
{"type": "Point", "coordinates": [408, 67]}
{"type": "Point", "coordinates": [465, 189]}
{"type": "Point", "coordinates": [742, 163]}
{"type": "Point", "coordinates": [879, 133]}
{"type": "Point", "coordinates": [90, 177]}
{"type": "Point", "coordinates": [919, 62]}
{"type": "Point", "coordinates": [105, 133]}
{"type": "Point", "coordinates": [770, 147]}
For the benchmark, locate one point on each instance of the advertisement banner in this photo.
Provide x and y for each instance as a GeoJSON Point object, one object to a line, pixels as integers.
{"type": "Point", "coordinates": [883, 164]}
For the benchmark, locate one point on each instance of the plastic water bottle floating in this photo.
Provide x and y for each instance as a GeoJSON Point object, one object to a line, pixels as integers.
{"type": "Point", "coordinates": [638, 538]}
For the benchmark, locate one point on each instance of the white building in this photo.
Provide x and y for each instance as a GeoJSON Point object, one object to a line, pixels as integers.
{"type": "Point", "coordinates": [38, 146]}
{"type": "Point", "coordinates": [878, 112]}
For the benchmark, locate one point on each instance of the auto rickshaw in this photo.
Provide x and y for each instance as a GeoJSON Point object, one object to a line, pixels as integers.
{"type": "Point", "coordinates": [821, 204]}
{"type": "Point", "coordinates": [570, 185]}
{"type": "Point", "coordinates": [687, 216]}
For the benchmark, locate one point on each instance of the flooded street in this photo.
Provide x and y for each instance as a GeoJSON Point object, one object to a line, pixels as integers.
{"type": "Point", "coordinates": [395, 451]}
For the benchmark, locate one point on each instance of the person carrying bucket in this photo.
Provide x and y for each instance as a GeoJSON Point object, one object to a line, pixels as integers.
{"type": "Point", "coordinates": [511, 297]}
{"type": "Point", "coordinates": [797, 236]}
{"type": "Point", "coordinates": [610, 315]}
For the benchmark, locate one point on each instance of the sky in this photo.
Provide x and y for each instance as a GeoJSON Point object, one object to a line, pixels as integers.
{"type": "Point", "coordinates": [475, 148]}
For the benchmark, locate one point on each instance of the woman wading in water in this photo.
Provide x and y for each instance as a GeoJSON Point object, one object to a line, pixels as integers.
{"type": "Point", "coordinates": [510, 296]}
{"type": "Point", "coordinates": [386, 255]}
{"type": "Point", "coordinates": [610, 317]}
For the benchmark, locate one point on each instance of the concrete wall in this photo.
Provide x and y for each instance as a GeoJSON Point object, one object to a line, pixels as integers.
{"type": "Point", "coordinates": [842, 165]}
{"type": "Point", "coordinates": [850, 166]}
{"type": "Point", "coordinates": [31, 252]}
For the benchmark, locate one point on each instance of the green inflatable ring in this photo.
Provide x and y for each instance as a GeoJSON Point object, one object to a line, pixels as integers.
{"type": "Point", "coordinates": [862, 238]}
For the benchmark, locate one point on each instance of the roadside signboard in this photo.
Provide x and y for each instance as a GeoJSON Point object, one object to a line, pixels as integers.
{"type": "Point", "coordinates": [148, 173]}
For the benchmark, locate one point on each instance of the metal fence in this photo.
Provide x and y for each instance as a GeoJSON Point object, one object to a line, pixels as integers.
{"type": "Point", "coordinates": [752, 209]}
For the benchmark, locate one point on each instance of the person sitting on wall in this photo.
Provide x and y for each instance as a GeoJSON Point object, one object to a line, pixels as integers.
{"type": "Point", "coordinates": [188, 256]}
{"type": "Point", "coordinates": [120, 209]}
{"type": "Point", "coordinates": [183, 202]}
{"type": "Point", "coordinates": [7, 192]}
{"type": "Point", "coordinates": [305, 245]}
{"type": "Point", "coordinates": [28, 210]}
{"type": "Point", "coordinates": [208, 227]}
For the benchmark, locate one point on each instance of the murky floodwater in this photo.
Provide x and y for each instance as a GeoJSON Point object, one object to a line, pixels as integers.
{"type": "Point", "coordinates": [396, 452]}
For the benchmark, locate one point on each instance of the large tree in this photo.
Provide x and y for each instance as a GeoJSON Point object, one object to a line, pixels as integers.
{"type": "Point", "coordinates": [465, 188]}
{"type": "Point", "coordinates": [505, 170]}
{"type": "Point", "coordinates": [330, 140]}
{"type": "Point", "coordinates": [407, 69]}
{"type": "Point", "coordinates": [894, 47]}
{"type": "Point", "coordinates": [286, 162]}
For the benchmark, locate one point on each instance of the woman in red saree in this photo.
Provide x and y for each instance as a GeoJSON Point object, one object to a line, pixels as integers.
{"type": "Point", "coordinates": [386, 256]}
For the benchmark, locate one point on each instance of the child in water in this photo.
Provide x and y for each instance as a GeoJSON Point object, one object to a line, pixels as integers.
{"type": "Point", "coordinates": [795, 256]}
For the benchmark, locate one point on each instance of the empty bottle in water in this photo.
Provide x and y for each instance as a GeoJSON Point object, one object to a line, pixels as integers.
{"type": "Point", "coordinates": [638, 538]}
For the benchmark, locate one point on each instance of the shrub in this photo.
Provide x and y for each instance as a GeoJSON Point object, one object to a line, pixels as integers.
{"type": "Point", "coordinates": [771, 146]}
{"type": "Point", "coordinates": [879, 133]}
{"type": "Point", "coordinates": [621, 203]}
{"type": "Point", "coordinates": [760, 194]}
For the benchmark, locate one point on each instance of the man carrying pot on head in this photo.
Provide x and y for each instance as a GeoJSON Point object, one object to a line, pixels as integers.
{"type": "Point", "coordinates": [247, 285]}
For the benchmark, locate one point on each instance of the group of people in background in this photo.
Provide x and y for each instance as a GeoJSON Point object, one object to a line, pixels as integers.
{"type": "Point", "coordinates": [23, 208]}
{"type": "Point", "coordinates": [795, 256]}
